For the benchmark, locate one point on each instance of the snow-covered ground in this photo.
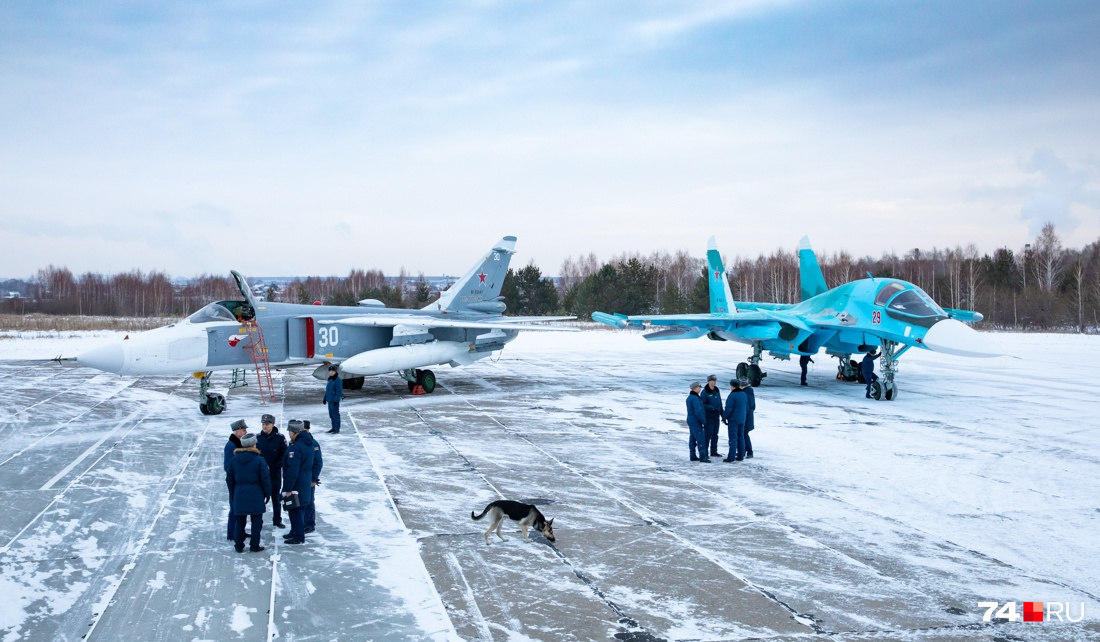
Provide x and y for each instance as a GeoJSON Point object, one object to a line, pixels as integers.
{"type": "Point", "coordinates": [856, 520]}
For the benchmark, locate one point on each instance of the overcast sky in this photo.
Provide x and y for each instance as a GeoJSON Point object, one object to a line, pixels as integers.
{"type": "Point", "coordinates": [310, 138]}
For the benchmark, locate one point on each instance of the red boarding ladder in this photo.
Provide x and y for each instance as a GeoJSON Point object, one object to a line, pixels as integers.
{"type": "Point", "coordinates": [257, 349]}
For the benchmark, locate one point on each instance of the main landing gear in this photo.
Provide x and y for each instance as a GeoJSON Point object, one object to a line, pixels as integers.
{"type": "Point", "coordinates": [210, 403]}
{"type": "Point", "coordinates": [354, 383]}
{"type": "Point", "coordinates": [885, 386]}
{"type": "Point", "coordinates": [751, 370]}
{"type": "Point", "coordinates": [848, 370]}
{"type": "Point", "coordinates": [424, 379]}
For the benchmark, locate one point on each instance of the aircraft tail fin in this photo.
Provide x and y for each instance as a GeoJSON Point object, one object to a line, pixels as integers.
{"type": "Point", "coordinates": [479, 289]}
{"type": "Point", "coordinates": [812, 280]}
{"type": "Point", "coordinates": [721, 298]}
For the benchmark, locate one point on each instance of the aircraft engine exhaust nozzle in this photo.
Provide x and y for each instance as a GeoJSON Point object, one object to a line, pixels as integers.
{"type": "Point", "coordinates": [954, 337]}
{"type": "Point", "coordinates": [108, 358]}
{"type": "Point", "coordinates": [416, 355]}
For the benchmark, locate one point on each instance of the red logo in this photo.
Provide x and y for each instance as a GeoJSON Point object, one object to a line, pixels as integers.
{"type": "Point", "coordinates": [1033, 611]}
{"type": "Point", "coordinates": [482, 276]}
{"type": "Point", "coordinates": [233, 341]}
{"type": "Point", "coordinates": [876, 316]}
{"type": "Point", "coordinates": [717, 274]}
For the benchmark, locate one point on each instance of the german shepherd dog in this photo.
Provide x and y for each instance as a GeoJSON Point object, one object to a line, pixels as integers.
{"type": "Point", "coordinates": [526, 514]}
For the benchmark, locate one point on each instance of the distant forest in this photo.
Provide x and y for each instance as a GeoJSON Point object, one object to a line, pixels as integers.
{"type": "Point", "coordinates": [1043, 286]}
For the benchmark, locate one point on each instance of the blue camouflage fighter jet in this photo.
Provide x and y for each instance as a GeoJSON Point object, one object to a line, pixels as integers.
{"type": "Point", "coordinates": [856, 317]}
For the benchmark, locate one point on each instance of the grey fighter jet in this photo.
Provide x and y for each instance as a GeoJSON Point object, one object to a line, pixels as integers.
{"type": "Point", "coordinates": [464, 325]}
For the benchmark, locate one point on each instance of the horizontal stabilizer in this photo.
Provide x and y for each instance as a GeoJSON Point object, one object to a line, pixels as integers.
{"type": "Point", "coordinates": [613, 320]}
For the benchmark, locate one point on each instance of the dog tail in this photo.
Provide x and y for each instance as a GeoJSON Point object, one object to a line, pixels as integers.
{"type": "Point", "coordinates": [472, 516]}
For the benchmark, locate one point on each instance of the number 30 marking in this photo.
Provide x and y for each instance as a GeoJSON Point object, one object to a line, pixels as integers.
{"type": "Point", "coordinates": [328, 336]}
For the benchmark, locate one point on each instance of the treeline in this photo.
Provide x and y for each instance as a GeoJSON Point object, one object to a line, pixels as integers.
{"type": "Point", "coordinates": [1042, 286]}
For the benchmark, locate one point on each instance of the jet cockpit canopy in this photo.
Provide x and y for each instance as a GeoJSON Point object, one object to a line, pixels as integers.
{"type": "Point", "coordinates": [907, 302]}
{"type": "Point", "coordinates": [213, 312]}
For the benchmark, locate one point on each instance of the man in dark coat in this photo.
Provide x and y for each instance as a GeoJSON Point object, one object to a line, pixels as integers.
{"type": "Point", "coordinates": [712, 404]}
{"type": "Point", "coordinates": [734, 416]}
{"type": "Point", "coordinates": [309, 512]}
{"type": "Point", "coordinates": [334, 391]}
{"type": "Point", "coordinates": [298, 478]}
{"type": "Point", "coordinates": [802, 363]}
{"type": "Point", "coordinates": [240, 428]}
{"type": "Point", "coordinates": [868, 367]}
{"type": "Point", "coordinates": [251, 483]}
{"type": "Point", "coordinates": [697, 421]}
{"type": "Point", "coordinates": [750, 410]}
{"type": "Point", "coordinates": [272, 445]}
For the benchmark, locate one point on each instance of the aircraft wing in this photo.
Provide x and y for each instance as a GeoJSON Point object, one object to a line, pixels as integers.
{"type": "Point", "coordinates": [752, 325]}
{"type": "Point", "coordinates": [378, 320]}
{"type": "Point", "coordinates": [532, 319]}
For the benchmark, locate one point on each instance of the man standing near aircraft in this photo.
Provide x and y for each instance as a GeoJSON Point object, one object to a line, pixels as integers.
{"type": "Point", "coordinates": [868, 367]}
{"type": "Point", "coordinates": [697, 421]}
{"type": "Point", "coordinates": [734, 416]}
{"type": "Point", "coordinates": [712, 404]}
{"type": "Point", "coordinates": [334, 391]}
{"type": "Point", "coordinates": [240, 429]}
{"type": "Point", "coordinates": [802, 362]}
{"type": "Point", "coordinates": [298, 478]}
{"type": "Point", "coordinates": [272, 445]}
{"type": "Point", "coordinates": [309, 511]}
{"type": "Point", "coordinates": [750, 411]}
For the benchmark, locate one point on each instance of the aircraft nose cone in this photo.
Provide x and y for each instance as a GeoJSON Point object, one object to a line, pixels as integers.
{"type": "Point", "coordinates": [109, 358]}
{"type": "Point", "coordinates": [954, 337]}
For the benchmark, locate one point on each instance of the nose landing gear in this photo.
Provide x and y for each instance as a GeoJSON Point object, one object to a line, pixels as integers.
{"type": "Point", "coordinates": [210, 403]}
{"type": "Point", "coordinates": [752, 370]}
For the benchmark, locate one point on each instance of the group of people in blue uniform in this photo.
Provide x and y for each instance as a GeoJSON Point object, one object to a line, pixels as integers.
{"type": "Point", "coordinates": [265, 466]}
{"type": "Point", "coordinates": [706, 412]}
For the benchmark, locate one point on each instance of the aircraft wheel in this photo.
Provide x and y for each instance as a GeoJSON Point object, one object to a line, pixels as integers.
{"type": "Point", "coordinates": [412, 384]}
{"type": "Point", "coordinates": [742, 370]}
{"type": "Point", "coordinates": [426, 378]}
{"type": "Point", "coordinates": [876, 390]}
{"type": "Point", "coordinates": [755, 375]}
{"type": "Point", "coordinates": [890, 390]}
{"type": "Point", "coordinates": [203, 410]}
{"type": "Point", "coordinates": [839, 376]}
{"type": "Point", "coordinates": [215, 404]}
{"type": "Point", "coordinates": [357, 383]}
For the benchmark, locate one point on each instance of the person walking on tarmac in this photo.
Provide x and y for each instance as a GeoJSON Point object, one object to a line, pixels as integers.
{"type": "Point", "coordinates": [251, 483]}
{"type": "Point", "coordinates": [750, 410]}
{"type": "Point", "coordinates": [734, 416]}
{"type": "Point", "coordinates": [240, 429]}
{"type": "Point", "coordinates": [272, 445]}
{"type": "Point", "coordinates": [803, 361]}
{"type": "Point", "coordinates": [868, 367]}
{"type": "Point", "coordinates": [712, 404]}
{"type": "Point", "coordinates": [309, 512]}
{"type": "Point", "coordinates": [334, 391]}
{"type": "Point", "coordinates": [298, 478]}
{"type": "Point", "coordinates": [697, 420]}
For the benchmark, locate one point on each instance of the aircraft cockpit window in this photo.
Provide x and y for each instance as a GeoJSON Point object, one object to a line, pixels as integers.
{"type": "Point", "coordinates": [911, 303]}
{"type": "Point", "coordinates": [211, 313]}
{"type": "Point", "coordinates": [887, 291]}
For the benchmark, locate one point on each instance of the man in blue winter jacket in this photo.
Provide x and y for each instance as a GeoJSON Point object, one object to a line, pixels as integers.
{"type": "Point", "coordinates": [251, 483]}
{"type": "Point", "coordinates": [736, 406]}
{"type": "Point", "coordinates": [750, 411]}
{"type": "Point", "coordinates": [712, 404]}
{"type": "Point", "coordinates": [272, 445]}
{"type": "Point", "coordinates": [240, 429]}
{"type": "Point", "coordinates": [309, 512]}
{"type": "Point", "coordinates": [334, 391]}
{"type": "Point", "coordinates": [868, 368]}
{"type": "Point", "coordinates": [697, 420]}
{"type": "Point", "coordinates": [298, 478]}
